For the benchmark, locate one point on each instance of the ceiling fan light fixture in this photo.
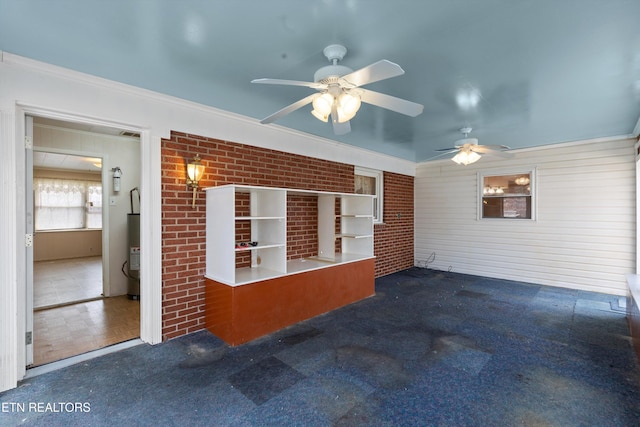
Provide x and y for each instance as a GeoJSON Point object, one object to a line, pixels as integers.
{"type": "Point", "coordinates": [320, 116]}
{"type": "Point", "coordinates": [322, 104]}
{"type": "Point", "coordinates": [466, 157]}
{"type": "Point", "coordinates": [348, 106]}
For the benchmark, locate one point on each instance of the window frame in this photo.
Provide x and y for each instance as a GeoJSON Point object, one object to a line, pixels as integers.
{"type": "Point", "coordinates": [531, 171]}
{"type": "Point", "coordinates": [378, 175]}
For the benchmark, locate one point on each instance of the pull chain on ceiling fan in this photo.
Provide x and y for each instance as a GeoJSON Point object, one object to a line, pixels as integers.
{"type": "Point", "coordinates": [340, 93]}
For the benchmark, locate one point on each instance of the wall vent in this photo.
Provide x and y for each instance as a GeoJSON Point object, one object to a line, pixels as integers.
{"type": "Point", "coordinates": [131, 134]}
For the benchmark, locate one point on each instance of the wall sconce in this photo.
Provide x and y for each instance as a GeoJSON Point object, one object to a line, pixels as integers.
{"type": "Point", "coordinates": [195, 170]}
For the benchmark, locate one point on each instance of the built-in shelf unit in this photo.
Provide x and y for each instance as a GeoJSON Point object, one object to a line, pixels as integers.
{"type": "Point", "coordinates": [260, 213]}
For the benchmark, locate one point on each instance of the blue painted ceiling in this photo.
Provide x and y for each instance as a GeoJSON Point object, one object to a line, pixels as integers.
{"type": "Point", "coordinates": [543, 71]}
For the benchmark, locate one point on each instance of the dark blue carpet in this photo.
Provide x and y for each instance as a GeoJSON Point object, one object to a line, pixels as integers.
{"type": "Point", "coordinates": [429, 349]}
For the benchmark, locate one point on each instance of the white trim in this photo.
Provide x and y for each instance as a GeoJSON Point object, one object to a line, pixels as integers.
{"type": "Point", "coordinates": [636, 147]}
{"type": "Point", "coordinates": [9, 366]}
{"type": "Point", "coordinates": [151, 296]}
{"type": "Point", "coordinates": [150, 239]}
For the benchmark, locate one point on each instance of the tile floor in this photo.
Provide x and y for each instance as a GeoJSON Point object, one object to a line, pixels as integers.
{"type": "Point", "coordinates": [78, 328]}
{"type": "Point", "coordinates": [71, 317]}
{"type": "Point", "coordinates": [63, 281]}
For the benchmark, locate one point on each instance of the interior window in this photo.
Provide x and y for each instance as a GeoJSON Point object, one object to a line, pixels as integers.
{"type": "Point", "coordinates": [507, 196]}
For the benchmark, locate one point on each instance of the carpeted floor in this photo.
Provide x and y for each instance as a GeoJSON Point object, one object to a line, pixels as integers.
{"type": "Point", "coordinates": [430, 349]}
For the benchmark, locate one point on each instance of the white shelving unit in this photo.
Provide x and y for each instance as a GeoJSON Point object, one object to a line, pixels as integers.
{"type": "Point", "coordinates": [267, 218]}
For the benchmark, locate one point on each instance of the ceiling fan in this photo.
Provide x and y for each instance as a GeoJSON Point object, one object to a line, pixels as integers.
{"type": "Point", "coordinates": [340, 93]}
{"type": "Point", "coordinates": [470, 151]}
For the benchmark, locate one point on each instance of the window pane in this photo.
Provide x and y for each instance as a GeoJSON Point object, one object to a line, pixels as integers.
{"type": "Point", "coordinates": [365, 185]}
{"type": "Point", "coordinates": [94, 206]}
{"type": "Point", "coordinates": [368, 185]}
{"type": "Point", "coordinates": [507, 196]}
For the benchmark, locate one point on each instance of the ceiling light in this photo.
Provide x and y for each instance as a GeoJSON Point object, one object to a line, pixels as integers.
{"type": "Point", "coordinates": [522, 180]}
{"type": "Point", "coordinates": [322, 104]}
{"type": "Point", "coordinates": [343, 104]}
{"type": "Point", "coordinates": [319, 116]}
{"type": "Point", "coordinates": [348, 106]}
{"type": "Point", "coordinates": [466, 157]}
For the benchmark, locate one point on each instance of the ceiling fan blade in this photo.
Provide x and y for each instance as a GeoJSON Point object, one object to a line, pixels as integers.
{"type": "Point", "coordinates": [447, 150]}
{"type": "Point", "coordinates": [372, 73]}
{"type": "Point", "coordinates": [313, 85]}
{"type": "Point", "coordinates": [484, 149]}
{"type": "Point", "coordinates": [389, 102]}
{"type": "Point", "coordinates": [441, 154]}
{"type": "Point", "coordinates": [495, 147]}
{"type": "Point", "coordinates": [289, 109]}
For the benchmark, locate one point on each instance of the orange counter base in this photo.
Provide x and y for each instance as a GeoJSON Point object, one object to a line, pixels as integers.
{"type": "Point", "coordinates": [238, 314]}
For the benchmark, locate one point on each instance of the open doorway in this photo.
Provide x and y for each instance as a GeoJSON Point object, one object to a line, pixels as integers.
{"type": "Point", "coordinates": [67, 192]}
{"type": "Point", "coordinates": [80, 300]}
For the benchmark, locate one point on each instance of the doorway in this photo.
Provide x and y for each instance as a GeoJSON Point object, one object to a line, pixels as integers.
{"type": "Point", "coordinates": [68, 229]}
{"type": "Point", "coordinates": [79, 302]}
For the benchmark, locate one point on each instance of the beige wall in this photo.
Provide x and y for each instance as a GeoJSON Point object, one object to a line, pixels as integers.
{"type": "Point", "coordinates": [52, 245]}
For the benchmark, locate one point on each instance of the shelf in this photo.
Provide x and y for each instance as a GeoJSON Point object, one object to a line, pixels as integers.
{"type": "Point", "coordinates": [314, 263]}
{"type": "Point", "coordinates": [502, 196]}
{"type": "Point", "coordinates": [249, 218]}
{"type": "Point", "coordinates": [260, 246]}
{"type": "Point", "coordinates": [239, 213]}
{"type": "Point", "coordinates": [246, 275]}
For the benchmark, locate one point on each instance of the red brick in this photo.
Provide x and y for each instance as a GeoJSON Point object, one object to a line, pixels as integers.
{"type": "Point", "coordinates": [183, 228]}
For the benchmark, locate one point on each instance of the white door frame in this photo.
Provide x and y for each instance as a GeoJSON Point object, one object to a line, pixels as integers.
{"type": "Point", "coordinates": [30, 231]}
{"type": "Point", "coordinates": [150, 238]}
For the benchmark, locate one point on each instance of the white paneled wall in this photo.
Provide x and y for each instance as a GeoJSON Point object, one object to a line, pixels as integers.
{"type": "Point", "coordinates": [583, 236]}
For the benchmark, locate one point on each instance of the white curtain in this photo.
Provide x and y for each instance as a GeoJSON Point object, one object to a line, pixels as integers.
{"type": "Point", "coordinates": [62, 204]}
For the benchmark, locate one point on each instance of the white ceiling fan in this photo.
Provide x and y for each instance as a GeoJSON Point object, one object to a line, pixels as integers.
{"type": "Point", "coordinates": [470, 151]}
{"type": "Point", "coordinates": [340, 92]}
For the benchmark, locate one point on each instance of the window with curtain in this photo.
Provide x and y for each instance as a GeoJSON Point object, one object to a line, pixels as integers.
{"type": "Point", "coordinates": [66, 204]}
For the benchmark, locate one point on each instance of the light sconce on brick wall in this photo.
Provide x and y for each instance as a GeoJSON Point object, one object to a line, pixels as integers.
{"type": "Point", "coordinates": [195, 171]}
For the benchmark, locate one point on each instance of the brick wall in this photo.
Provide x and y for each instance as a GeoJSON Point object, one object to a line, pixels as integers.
{"type": "Point", "coordinates": [183, 228]}
{"type": "Point", "coordinates": [393, 239]}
